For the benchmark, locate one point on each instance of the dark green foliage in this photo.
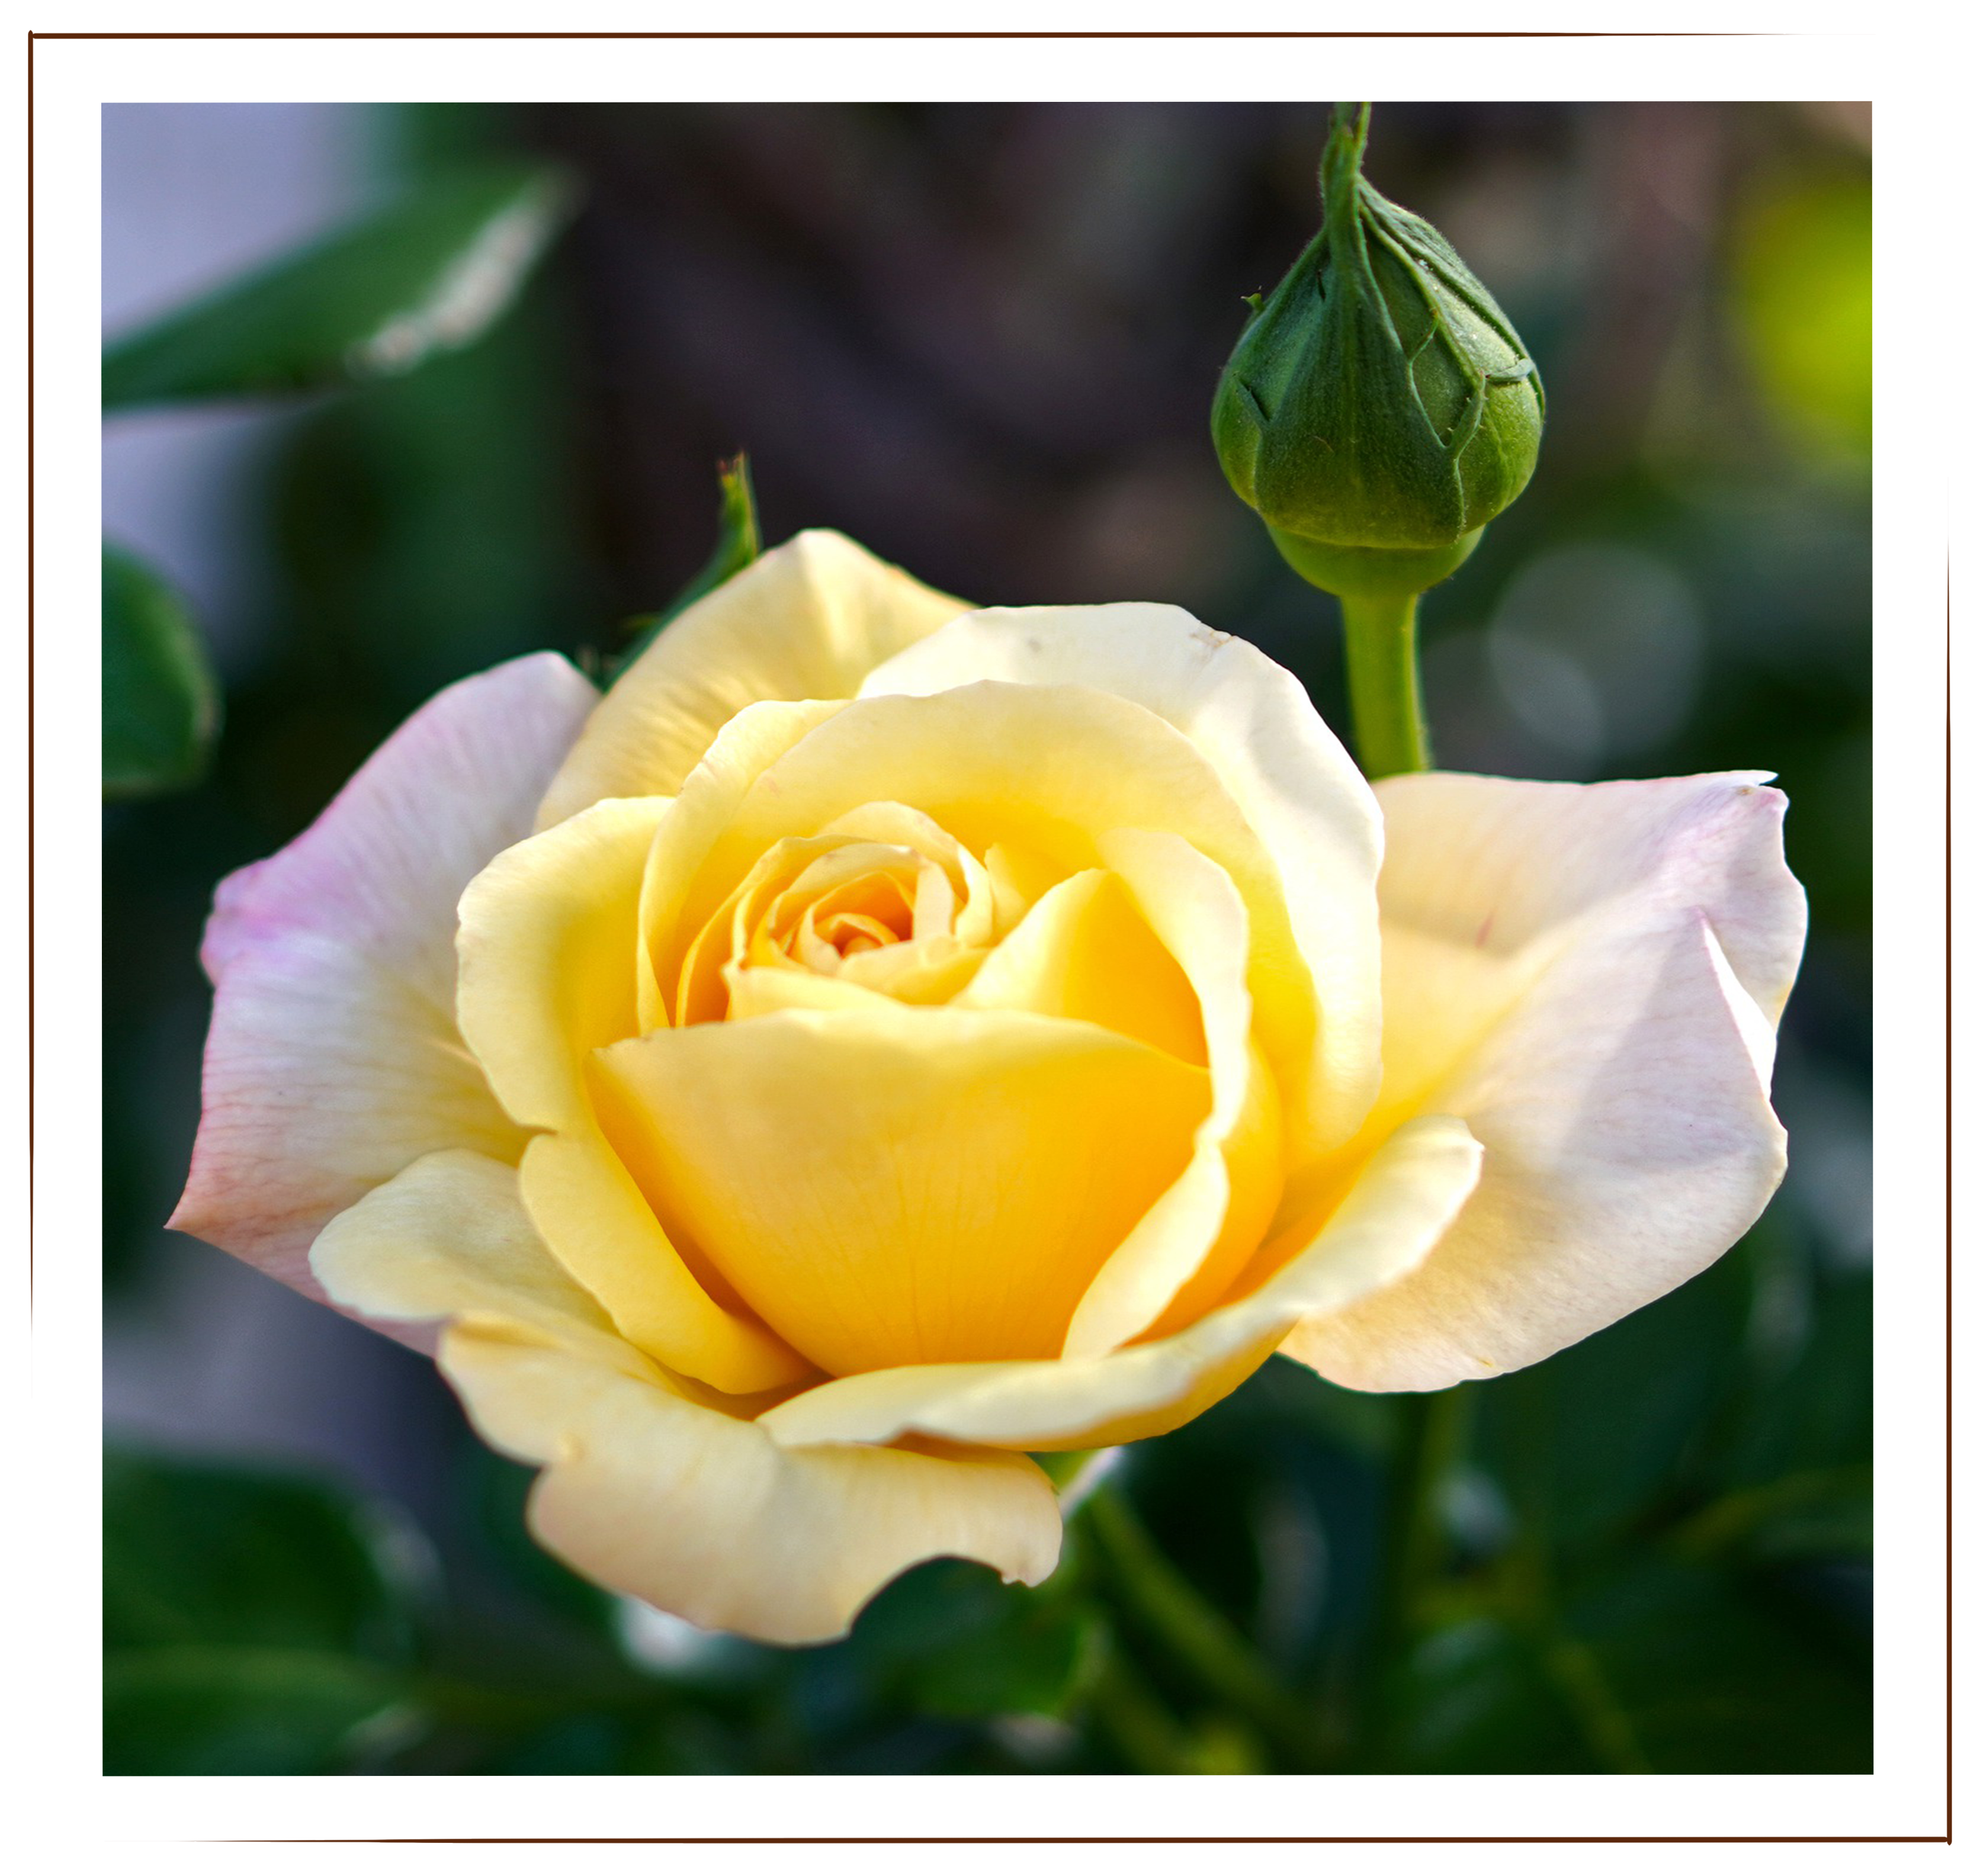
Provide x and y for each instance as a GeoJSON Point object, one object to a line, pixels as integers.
{"type": "Point", "coordinates": [251, 1622]}
{"type": "Point", "coordinates": [161, 705]}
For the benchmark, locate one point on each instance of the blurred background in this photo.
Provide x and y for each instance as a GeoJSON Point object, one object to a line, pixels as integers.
{"type": "Point", "coordinates": [982, 340]}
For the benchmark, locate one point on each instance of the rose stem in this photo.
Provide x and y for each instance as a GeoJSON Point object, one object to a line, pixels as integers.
{"type": "Point", "coordinates": [1382, 683]}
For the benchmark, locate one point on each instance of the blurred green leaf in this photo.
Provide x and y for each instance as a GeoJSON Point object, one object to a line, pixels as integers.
{"type": "Point", "coordinates": [1714, 1675]}
{"type": "Point", "coordinates": [1816, 1416]}
{"type": "Point", "coordinates": [1656, 1666]}
{"type": "Point", "coordinates": [1220, 1771]}
{"type": "Point", "coordinates": [739, 539]}
{"type": "Point", "coordinates": [160, 704]}
{"type": "Point", "coordinates": [1588, 1439]}
{"type": "Point", "coordinates": [198, 1710]}
{"type": "Point", "coordinates": [252, 1621]}
{"type": "Point", "coordinates": [494, 1494]}
{"type": "Point", "coordinates": [427, 275]}
{"type": "Point", "coordinates": [1033, 1664]}
{"type": "Point", "coordinates": [1683, 1484]}
{"type": "Point", "coordinates": [211, 1554]}
{"type": "Point", "coordinates": [951, 1641]}
{"type": "Point", "coordinates": [1810, 1514]}
{"type": "Point", "coordinates": [1475, 1696]}
{"type": "Point", "coordinates": [425, 529]}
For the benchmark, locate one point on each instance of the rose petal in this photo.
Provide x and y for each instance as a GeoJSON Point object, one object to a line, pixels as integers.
{"type": "Point", "coordinates": [1047, 769]}
{"type": "Point", "coordinates": [548, 937]}
{"type": "Point", "coordinates": [975, 914]}
{"type": "Point", "coordinates": [650, 1489]}
{"type": "Point", "coordinates": [1252, 722]}
{"type": "Point", "coordinates": [1589, 976]}
{"type": "Point", "coordinates": [334, 1059]}
{"type": "Point", "coordinates": [710, 1519]}
{"type": "Point", "coordinates": [708, 798]}
{"type": "Point", "coordinates": [448, 1237]}
{"type": "Point", "coordinates": [1191, 903]}
{"type": "Point", "coordinates": [807, 620]}
{"type": "Point", "coordinates": [902, 1184]}
{"type": "Point", "coordinates": [1085, 951]}
{"type": "Point", "coordinates": [764, 992]}
{"type": "Point", "coordinates": [586, 1207]}
{"type": "Point", "coordinates": [1404, 1201]}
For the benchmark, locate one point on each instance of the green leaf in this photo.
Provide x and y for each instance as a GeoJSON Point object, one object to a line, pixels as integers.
{"type": "Point", "coordinates": [252, 1621]}
{"type": "Point", "coordinates": [1034, 1664]}
{"type": "Point", "coordinates": [1475, 1696]}
{"type": "Point", "coordinates": [431, 527]}
{"type": "Point", "coordinates": [495, 1492]}
{"type": "Point", "coordinates": [427, 276]}
{"type": "Point", "coordinates": [1591, 1438]}
{"type": "Point", "coordinates": [1716, 1674]}
{"type": "Point", "coordinates": [205, 1554]}
{"type": "Point", "coordinates": [739, 540]}
{"type": "Point", "coordinates": [1657, 1665]}
{"type": "Point", "coordinates": [1816, 1415]}
{"type": "Point", "coordinates": [950, 1641]}
{"type": "Point", "coordinates": [1804, 1515]}
{"type": "Point", "coordinates": [203, 1710]}
{"type": "Point", "coordinates": [160, 704]}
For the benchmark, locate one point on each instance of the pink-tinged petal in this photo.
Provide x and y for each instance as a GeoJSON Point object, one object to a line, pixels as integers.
{"type": "Point", "coordinates": [334, 1059]}
{"type": "Point", "coordinates": [1590, 977]}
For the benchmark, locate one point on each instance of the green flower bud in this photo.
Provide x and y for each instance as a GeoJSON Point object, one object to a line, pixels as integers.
{"type": "Point", "coordinates": [1379, 409]}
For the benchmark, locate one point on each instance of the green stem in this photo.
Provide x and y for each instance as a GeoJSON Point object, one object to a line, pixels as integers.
{"type": "Point", "coordinates": [1197, 1634]}
{"type": "Point", "coordinates": [1584, 1689]}
{"type": "Point", "coordinates": [1382, 683]}
{"type": "Point", "coordinates": [1145, 1733]}
{"type": "Point", "coordinates": [1432, 1440]}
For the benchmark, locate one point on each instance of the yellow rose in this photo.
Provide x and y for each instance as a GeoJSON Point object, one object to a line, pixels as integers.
{"type": "Point", "coordinates": [879, 1039]}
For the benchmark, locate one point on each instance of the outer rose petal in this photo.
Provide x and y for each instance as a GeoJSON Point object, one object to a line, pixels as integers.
{"type": "Point", "coordinates": [807, 620]}
{"type": "Point", "coordinates": [1252, 722]}
{"type": "Point", "coordinates": [448, 1238]}
{"type": "Point", "coordinates": [333, 1060]}
{"type": "Point", "coordinates": [710, 1518]}
{"type": "Point", "coordinates": [650, 1487]}
{"type": "Point", "coordinates": [1590, 976]}
{"type": "Point", "coordinates": [1404, 1202]}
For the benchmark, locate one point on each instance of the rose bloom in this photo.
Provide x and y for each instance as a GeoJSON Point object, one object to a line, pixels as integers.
{"type": "Point", "coordinates": [878, 1040]}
